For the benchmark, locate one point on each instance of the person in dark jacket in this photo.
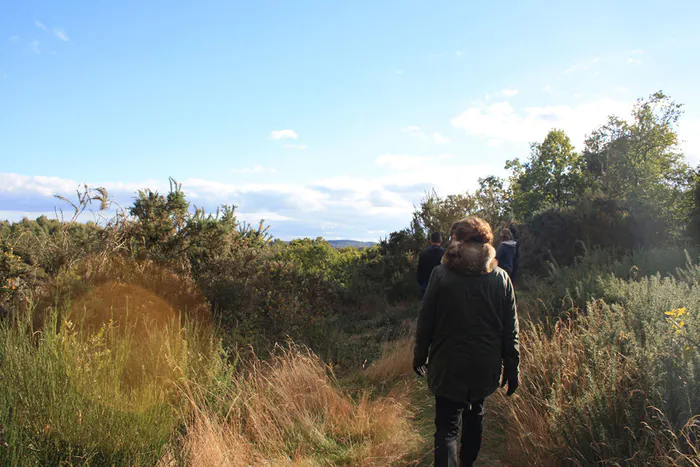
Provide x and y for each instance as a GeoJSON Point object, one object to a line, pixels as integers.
{"type": "Point", "coordinates": [467, 333]}
{"type": "Point", "coordinates": [507, 252]}
{"type": "Point", "coordinates": [428, 260]}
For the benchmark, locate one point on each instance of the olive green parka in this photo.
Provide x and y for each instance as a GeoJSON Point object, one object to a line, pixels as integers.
{"type": "Point", "coordinates": [467, 324]}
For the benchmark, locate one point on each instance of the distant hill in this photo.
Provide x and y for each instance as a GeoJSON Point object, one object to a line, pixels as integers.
{"type": "Point", "coordinates": [353, 243]}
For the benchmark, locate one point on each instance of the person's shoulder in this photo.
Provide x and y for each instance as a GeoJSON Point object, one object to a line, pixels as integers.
{"type": "Point", "coordinates": [500, 275]}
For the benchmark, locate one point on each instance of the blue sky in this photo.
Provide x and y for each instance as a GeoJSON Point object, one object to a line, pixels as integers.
{"type": "Point", "coordinates": [323, 117]}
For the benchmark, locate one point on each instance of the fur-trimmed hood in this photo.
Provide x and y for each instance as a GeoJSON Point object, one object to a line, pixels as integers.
{"type": "Point", "coordinates": [470, 258]}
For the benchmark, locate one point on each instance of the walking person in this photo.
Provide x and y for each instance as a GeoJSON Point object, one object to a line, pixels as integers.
{"type": "Point", "coordinates": [428, 260]}
{"type": "Point", "coordinates": [467, 333]}
{"type": "Point", "coordinates": [507, 252]}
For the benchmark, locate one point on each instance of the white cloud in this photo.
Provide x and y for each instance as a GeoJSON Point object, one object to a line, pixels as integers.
{"type": "Point", "coordinates": [255, 217]}
{"type": "Point", "coordinates": [296, 146]}
{"type": "Point", "coordinates": [502, 122]}
{"type": "Point", "coordinates": [399, 72]}
{"type": "Point", "coordinates": [283, 134]}
{"type": "Point", "coordinates": [40, 25]}
{"type": "Point", "coordinates": [440, 140]}
{"type": "Point", "coordinates": [637, 52]}
{"type": "Point", "coordinates": [34, 45]}
{"type": "Point", "coordinates": [689, 132]}
{"type": "Point", "coordinates": [417, 132]}
{"type": "Point", "coordinates": [577, 67]}
{"type": "Point", "coordinates": [358, 207]}
{"type": "Point", "coordinates": [583, 66]}
{"type": "Point", "coordinates": [254, 169]}
{"type": "Point", "coordinates": [509, 92]}
{"type": "Point", "coordinates": [459, 53]}
{"type": "Point", "coordinates": [548, 88]}
{"type": "Point", "coordinates": [621, 89]}
{"type": "Point", "coordinates": [408, 162]}
{"type": "Point", "coordinates": [634, 60]}
{"type": "Point", "coordinates": [61, 34]}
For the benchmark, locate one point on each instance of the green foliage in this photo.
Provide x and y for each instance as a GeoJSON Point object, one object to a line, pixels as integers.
{"type": "Point", "coordinates": [639, 162]}
{"type": "Point", "coordinates": [493, 201]}
{"type": "Point", "coordinates": [628, 367]}
{"type": "Point", "coordinates": [436, 214]}
{"type": "Point", "coordinates": [551, 178]}
{"type": "Point", "coordinates": [694, 222]}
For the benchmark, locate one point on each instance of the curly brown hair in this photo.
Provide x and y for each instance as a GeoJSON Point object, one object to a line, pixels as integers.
{"type": "Point", "coordinates": [472, 229]}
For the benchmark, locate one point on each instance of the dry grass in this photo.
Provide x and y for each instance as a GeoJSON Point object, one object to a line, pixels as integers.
{"type": "Point", "coordinates": [290, 411]}
{"type": "Point", "coordinates": [586, 397]}
{"type": "Point", "coordinates": [396, 362]}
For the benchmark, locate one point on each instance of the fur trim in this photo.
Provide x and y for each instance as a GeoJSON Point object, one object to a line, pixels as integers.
{"type": "Point", "coordinates": [470, 258]}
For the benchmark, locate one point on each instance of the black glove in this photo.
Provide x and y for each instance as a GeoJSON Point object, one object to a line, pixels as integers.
{"type": "Point", "coordinates": [510, 377]}
{"type": "Point", "coordinates": [420, 370]}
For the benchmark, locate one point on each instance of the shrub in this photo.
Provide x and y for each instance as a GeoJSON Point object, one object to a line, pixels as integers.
{"type": "Point", "coordinates": [616, 384]}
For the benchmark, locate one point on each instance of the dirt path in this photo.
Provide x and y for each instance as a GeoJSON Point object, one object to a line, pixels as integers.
{"type": "Point", "coordinates": [492, 452]}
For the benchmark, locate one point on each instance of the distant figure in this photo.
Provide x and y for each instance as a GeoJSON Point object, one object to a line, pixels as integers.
{"type": "Point", "coordinates": [507, 252]}
{"type": "Point", "coordinates": [428, 260]}
{"type": "Point", "coordinates": [467, 328]}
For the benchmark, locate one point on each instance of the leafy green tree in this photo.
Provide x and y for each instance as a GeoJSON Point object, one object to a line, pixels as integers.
{"type": "Point", "coordinates": [551, 178]}
{"type": "Point", "coordinates": [436, 214]}
{"type": "Point", "coordinates": [493, 201]}
{"type": "Point", "coordinates": [639, 163]}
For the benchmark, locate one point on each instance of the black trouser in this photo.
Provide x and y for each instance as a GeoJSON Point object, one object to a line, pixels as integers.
{"type": "Point", "coordinates": [449, 415]}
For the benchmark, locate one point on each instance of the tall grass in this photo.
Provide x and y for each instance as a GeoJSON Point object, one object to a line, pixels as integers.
{"type": "Point", "coordinates": [290, 411]}
{"type": "Point", "coordinates": [121, 379]}
{"type": "Point", "coordinates": [615, 382]}
{"type": "Point", "coordinates": [102, 398]}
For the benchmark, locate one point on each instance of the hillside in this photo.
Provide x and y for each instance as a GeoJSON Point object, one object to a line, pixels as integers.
{"type": "Point", "coordinates": [350, 243]}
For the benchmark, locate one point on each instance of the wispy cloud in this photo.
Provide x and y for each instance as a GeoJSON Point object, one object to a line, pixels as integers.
{"type": "Point", "coordinates": [34, 45]}
{"type": "Point", "coordinates": [411, 130]}
{"type": "Point", "coordinates": [381, 200]}
{"type": "Point", "coordinates": [582, 66]}
{"type": "Point", "coordinates": [399, 72]}
{"type": "Point", "coordinates": [459, 53]}
{"type": "Point", "coordinates": [509, 92]}
{"type": "Point", "coordinates": [40, 25]}
{"type": "Point", "coordinates": [296, 146]}
{"type": "Point", "coordinates": [621, 89]}
{"type": "Point", "coordinates": [254, 170]}
{"type": "Point", "coordinates": [502, 122]}
{"type": "Point", "coordinates": [417, 132]}
{"type": "Point", "coordinates": [283, 134]}
{"type": "Point", "coordinates": [404, 162]}
{"type": "Point", "coordinates": [61, 34]}
{"type": "Point", "coordinates": [440, 140]}
{"type": "Point", "coordinates": [637, 52]}
{"type": "Point", "coordinates": [577, 67]}
{"type": "Point", "coordinates": [636, 61]}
